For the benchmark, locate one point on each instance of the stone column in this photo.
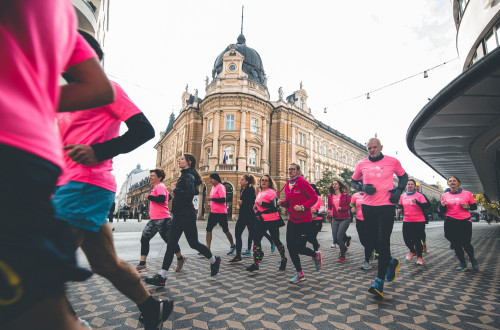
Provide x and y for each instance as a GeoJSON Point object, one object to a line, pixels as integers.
{"type": "Point", "coordinates": [293, 156]}
{"type": "Point", "coordinates": [265, 147]}
{"type": "Point", "coordinates": [214, 157]}
{"type": "Point", "coordinates": [242, 155]}
{"type": "Point", "coordinates": [203, 161]}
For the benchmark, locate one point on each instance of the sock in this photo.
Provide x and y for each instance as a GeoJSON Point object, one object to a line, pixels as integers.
{"type": "Point", "coordinates": [212, 260]}
{"type": "Point", "coordinates": [142, 263]}
{"type": "Point", "coordinates": [149, 304]}
{"type": "Point", "coordinates": [301, 273]}
{"type": "Point", "coordinates": [163, 273]}
{"type": "Point", "coordinates": [180, 258]}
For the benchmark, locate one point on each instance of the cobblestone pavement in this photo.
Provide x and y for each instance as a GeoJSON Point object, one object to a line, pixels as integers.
{"type": "Point", "coordinates": [434, 296]}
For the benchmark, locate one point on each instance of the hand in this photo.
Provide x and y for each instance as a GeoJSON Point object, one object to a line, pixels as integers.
{"type": "Point", "coordinates": [259, 203]}
{"type": "Point", "coordinates": [239, 202]}
{"type": "Point", "coordinates": [146, 195]}
{"type": "Point", "coordinates": [329, 213]}
{"type": "Point", "coordinates": [297, 208]}
{"type": "Point", "coordinates": [414, 201]}
{"type": "Point", "coordinates": [369, 189]}
{"type": "Point", "coordinates": [443, 203]}
{"type": "Point", "coordinates": [314, 211]}
{"type": "Point", "coordinates": [353, 209]}
{"type": "Point", "coordinates": [209, 198]}
{"type": "Point", "coordinates": [339, 209]}
{"type": "Point", "coordinates": [172, 187]}
{"type": "Point", "coordinates": [396, 193]}
{"type": "Point", "coordinates": [400, 211]}
{"type": "Point", "coordinates": [465, 206]}
{"type": "Point", "coordinates": [81, 154]}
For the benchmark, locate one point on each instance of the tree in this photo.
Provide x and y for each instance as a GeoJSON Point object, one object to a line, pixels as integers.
{"type": "Point", "coordinates": [491, 208]}
{"type": "Point", "coordinates": [346, 176]}
{"type": "Point", "coordinates": [434, 205]}
{"type": "Point", "coordinates": [325, 182]}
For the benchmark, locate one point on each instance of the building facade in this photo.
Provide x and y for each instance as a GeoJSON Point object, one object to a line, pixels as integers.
{"type": "Point", "coordinates": [93, 17]}
{"type": "Point", "coordinates": [236, 129]}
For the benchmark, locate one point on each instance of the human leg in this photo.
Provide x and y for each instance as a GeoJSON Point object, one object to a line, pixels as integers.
{"type": "Point", "coordinates": [273, 229]}
{"type": "Point", "coordinates": [342, 228]}
{"type": "Point", "coordinates": [238, 231]}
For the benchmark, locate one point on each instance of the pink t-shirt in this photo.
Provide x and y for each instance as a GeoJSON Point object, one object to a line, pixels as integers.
{"type": "Point", "coordinates": [90, 127]}
{"type": "Point", "coordinates": [454, 208]}
{"type": "Point", "coordinates": [35, 48]}
{"type": "Point", "coordinates": [336, 200]}
{"type": "Point", "coordinates": [317, 206]}
{"type": "Point", "coordinates": [218, 191]}
{"type": "Point", "coordinates": [380, 175]}
{"type": "Point", "coordinates": [412, 212]}
{"type": "Point", "coordinates": [267, 196]}
{"type": "Point", "coordinates": [357, 199]}
{"type": "Point", "coordinates": [159, 210]}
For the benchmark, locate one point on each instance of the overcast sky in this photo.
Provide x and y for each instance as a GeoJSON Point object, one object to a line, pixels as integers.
{"type": "Point", "coordinates": [338, 49]}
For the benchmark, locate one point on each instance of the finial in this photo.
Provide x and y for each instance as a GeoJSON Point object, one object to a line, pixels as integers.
{"type": "Point", "coordinates": [242, 7]}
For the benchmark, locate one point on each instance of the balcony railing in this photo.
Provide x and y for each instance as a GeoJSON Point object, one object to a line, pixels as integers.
{"type": "Point", "coordinates": [204, 168]}
{"type": "Point", "coordinates": [255, 169]}
{"type": "Point", "coordinates": [225, 167]}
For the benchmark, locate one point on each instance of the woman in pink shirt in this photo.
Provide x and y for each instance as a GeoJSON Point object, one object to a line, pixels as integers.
{"type": "Point", "coordinates": [456, 204]}
{"type": "Point", "coordinates": [267, 220]}
{"type": "Point", "coordinates": [338, 208]}
{"type": "Point", "coordinates": [412, 203]}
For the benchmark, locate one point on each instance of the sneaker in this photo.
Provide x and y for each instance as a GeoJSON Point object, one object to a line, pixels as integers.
{"type": "Point", "coordinates": [247, 253]}
{"type": "Point", "coordinates": [231, 250]}
{"type": "Point", "coordinates": [348, 241]}
{"type": "Point", "coordinates": [318, 261]}
{"type": "Point", "coordinates": [235, 260]}
{"type": "Point", "coordinates": [461, 267]}
{"type": "Point", "coordinates": [214, 268]}
{"type": "Point", "coordinates": [377, 288]}
{"type": "Point", "coordinates": [141, 268]}
{"type": "Point", "coordinates": [372, 255]}
{"type": "Point", "coordinates": [298, 278]}
{"type": "Point", "coordinates": [273, 248]}
{"type": "Point", "coordinates": [283, 264]}
{"type": "Point", "coordinates": [341, 259]}
{"type": "Point", "coordinates": [334, 246]}
{"type": "Point", "coordinates": [154, 319]}
{"type": "Point", "coordinates": [180, 264]}
{"type": "Point", "coordinates": [83, 323]}
{"type": "Point", "coordinates": [420, 261]}
{"type": "Point", "coordinates": [366, 265]}
{"type": "Point", "coordinates": [474, 263]}
{"type": "Point", "coordinates": [410, 256]}
{"type": "Point", "coordinates": [392, 270]}
{"type": "Point", "coordinates": [200, 255]}
{"type": "Point", "coordinates": [157, 280]}
{"type": "Point", "coordinates": [424, 248]}
{"type": "Point", "coordinates": [375, 255]}
{"type": "Point", "coordinates": [253, 268]}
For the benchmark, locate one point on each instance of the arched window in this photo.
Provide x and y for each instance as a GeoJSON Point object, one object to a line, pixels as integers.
{"type": "Point", "coordinates": [252, 157]}
{"type": "Point", "coordinates": [228, 155]}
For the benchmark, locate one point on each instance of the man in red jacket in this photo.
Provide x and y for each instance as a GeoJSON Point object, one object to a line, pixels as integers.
{"type": "Point", "coordinates": [300, 197]}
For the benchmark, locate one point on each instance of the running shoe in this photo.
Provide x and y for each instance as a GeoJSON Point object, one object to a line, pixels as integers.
{"type": "Point", "coordinates": [180, 264]}
{"type": "Point", "coordinates": [420, 261]}
{"type": "Point", "coordinates": [334, 245]}
{"type": "Point", "coordinates": [377, 288]}
{"type": "Point", "coordinates": [410, 256]}
{"type": "Point", "coordinates": [341, 259]}
{"type": "Point", "coordinates": [474, 263]}
{"type": "Point", "coordinates": [156, 280]}
{"type": "Point", "coordinates": [235, 260]}
{"type": "Point", "coordinates": [366, 265]}
{"type": "Point", "coordinates": [283, 263]}
{"type": "Point", "coordinates": [318, 261]}
{"type": "Point", "coordinates": [153, 319]}
{"type": "Point", "coordinates": [461, 267]}
{"type": "Point", "coordinates": [231, 250]}
{"type": "Point", "coordinates": [84, 323]}
{"type": "Point", "coordinates": [253, 268]}
{"type": "Point", "coordinates": [200, 255]}
{"type": "Point", "coordinates": [141, 268]}
{"type": "Point", "coordinates": [348, 241]}
{"type": "Point", "coordinates": [424, 248]}
{"type": "Point", "coordinates": [247, 253]}
{"type": "Point", "coordinates": [273, 248]}
{"type": "Point", "coordinates": [298, 278]}
{"type": "Point", "coordinates": [392, 270]}
{"type": "Point", "coordinates": [214, 268]}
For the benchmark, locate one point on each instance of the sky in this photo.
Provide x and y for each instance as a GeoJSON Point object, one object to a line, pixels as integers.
{"type": "Point", "coordinates": [339, 50]}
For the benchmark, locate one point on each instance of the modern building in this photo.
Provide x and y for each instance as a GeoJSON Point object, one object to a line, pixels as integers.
{"type": "Point", "coordinates": [458, 131]}
{"type": "Point", "coordinates": [137, 178]}
{"type": "Point", "coordinates": [236, 129]}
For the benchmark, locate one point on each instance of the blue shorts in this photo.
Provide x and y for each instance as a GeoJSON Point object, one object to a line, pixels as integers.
{"type": "Point", "coordinates": [83, 205]}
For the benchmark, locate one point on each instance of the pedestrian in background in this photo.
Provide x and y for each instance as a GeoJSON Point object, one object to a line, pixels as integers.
{"type": "Point", "coordinates": [338, 206]}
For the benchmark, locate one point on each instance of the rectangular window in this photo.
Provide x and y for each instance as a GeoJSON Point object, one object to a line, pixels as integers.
{"type": "Point", "coordinates": [302, 139]}
{"type": "Point", "coordinates": [490, 42]}
{"type": "Point", "coordinates": [229, 122]}
{"type": "Point", "coordinates": [302, 164]}
{"type": "Point", "coordinates": [316, 172]}
{"type": "Point", "coordinates": [254, 125]}
{"type": "Point", "coordinates": [316, 146]}
{"type": "Point", "coordinates": [210, 125]}
{"type": "Point", "coordinates": [325, 150]}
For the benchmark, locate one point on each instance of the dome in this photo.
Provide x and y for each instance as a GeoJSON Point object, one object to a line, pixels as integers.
{"type": "Point", "coordinates": [252, 64]}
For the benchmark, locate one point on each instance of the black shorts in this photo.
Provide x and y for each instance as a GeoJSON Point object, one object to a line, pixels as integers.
{"type": "Point", "coordinates": [217, 218]}
{"type": "Point", "coordinates": [37, 252]}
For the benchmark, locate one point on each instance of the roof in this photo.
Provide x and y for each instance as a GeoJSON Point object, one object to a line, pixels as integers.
{"type": "Point", "coordinates": [458, 131]}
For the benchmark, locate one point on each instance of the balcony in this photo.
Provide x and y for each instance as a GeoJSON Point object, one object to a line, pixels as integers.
{"type": "Point", "coordinates": [86, 15]}
{"type": "Point", "coordinates": [225, 168]}
{"type": "Point", "coordinates": [255, 169]}
{"type": "Point", "coordinates": [204, 168]}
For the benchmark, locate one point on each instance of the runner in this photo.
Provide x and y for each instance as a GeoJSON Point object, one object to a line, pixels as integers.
{"type": "Point", "coordinates": [218, 211]}
{"type": "Point", "coordinates": [338, 207]}
{"type": "Point", "coordinates": [268, 219]}
{"type": "Point", "coordinates": [456, 204]}
{"type": "Point", "coordinates": [374, 176]}
{"type": "Point", "coordinates": [412, 204]}
{"type": "Point", "coordinates": [86, 190]}
{"type": "Point", "coordinates": [160, 220]}
{"type": "Point", "coordinates": [300, 197]}
{"type": "Point", "coordinates": [318, 210]}
{"type": "Point", "coordinates": [426, 215]}
{"type": "Point", "coordinates": [184, 219]}
{"type": "Point", "coordinates": [356, 202]}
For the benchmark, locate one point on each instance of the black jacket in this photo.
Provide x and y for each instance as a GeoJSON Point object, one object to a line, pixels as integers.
{"type": "Point", "coordinates": [247, 198]}
{"type": "Point", "coordinates": [184, 191]}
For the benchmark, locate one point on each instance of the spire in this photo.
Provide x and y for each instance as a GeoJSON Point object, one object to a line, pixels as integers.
{"type": "Point", "coordinates": [242, 8]}
{"type": "Point", "coordinates": [170, 122]}
{"type": "Point", "coordinates": [241, 37]}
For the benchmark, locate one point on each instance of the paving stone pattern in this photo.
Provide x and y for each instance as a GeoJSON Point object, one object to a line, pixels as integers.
{"type": "Point", "coordinates": [431, 297]}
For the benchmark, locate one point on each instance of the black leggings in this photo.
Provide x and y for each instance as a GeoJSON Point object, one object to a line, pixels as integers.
{"type": "Point", "coordinates": [363, 238]}
{"type": "Point", "coordinates": [246, 220]}
{"type": "Point", "coordinates": [154, 226]}
{"type": "Point", "coordinates": [317, 225]}
{"type": "Point", "coordinates": [260, 229]}
{"type": "Point", "coordinates": [412, 235]}
{"type": "Point", "coordinates": [183, 224]}
{"type": "Point", "coordinates": [379, 221]}
{"type": "Point", "coordinates": [296, 238]}
{"type": "Point", "coordinates": [459, 233]}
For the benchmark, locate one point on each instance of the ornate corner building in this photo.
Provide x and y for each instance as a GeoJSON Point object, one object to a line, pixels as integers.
{"type": "Point", "coordinates": [236, 129]}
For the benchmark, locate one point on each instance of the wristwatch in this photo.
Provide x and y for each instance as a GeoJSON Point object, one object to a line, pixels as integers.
{"type": "Point", "coordinates": [303, 209]}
